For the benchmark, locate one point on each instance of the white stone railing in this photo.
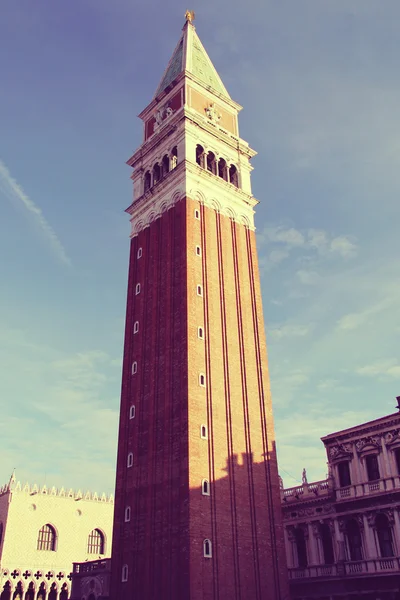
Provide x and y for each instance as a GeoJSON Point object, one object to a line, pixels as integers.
{"type": "Point", "coordinates": [368, 488]}
{"type": "Point", "coordinates": [352, 568]}
{"type": "Point", "coordinates": [316, 488]}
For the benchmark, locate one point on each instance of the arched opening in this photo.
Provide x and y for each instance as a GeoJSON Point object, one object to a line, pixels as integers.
{"type": "Point", "coordinates": [147, 181]}
{"type": "Point", "coordinates": [233, 176]}
{"type": "Point", "coordinates": [174, 157]}
{"type": "Point", "coordinates": [301, 547]}
{"type": "Point", "coordinates": [96, 542]}
{"type": "Point", "coordinates": [47, 538]}
{"type": "Point", "coordinates": [354, 540]}
{"type": "Point", "coordinates": [327, 545]}
{"type": "Point", "coordinates": [30, 592]}
{"type": "Point", "coordinates": [6, 593]}
{"type": "Point", "coordinates": [207, 549]}
{"type": "Point", "coordinates": [156, 173]}
{"type": "Point", "coordinates": [64, 592]}
{"type": "Point", "coordinates": [384, 533]}
{"type": "Point", "coordinates": [41, 595]}
{"type": "Point", "coordinates": [211, 163]}
{"type": "Point", "coordinates": [165, 165]}
{"type": "Point", "coordinates": [200, 157]}
{"type": "Point", "coordinates": [205, 487]}
{"type": "Point", "coordinates": [18, 592]}
{"type": "Point", "coordinates": [223, 169]}
{"type": "Point", "coordinates": [53, 592]}
{"type": "Point", "coordinates": [204, 432]}
{"type": "Point", "coordinates": [371, 462]}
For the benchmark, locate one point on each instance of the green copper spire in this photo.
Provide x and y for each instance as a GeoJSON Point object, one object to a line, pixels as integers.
{"type": "Point", "coordinates": [191, 57]}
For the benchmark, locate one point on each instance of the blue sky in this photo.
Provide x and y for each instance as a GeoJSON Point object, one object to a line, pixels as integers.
{"type": "Point", "coordinates": [319, 83]}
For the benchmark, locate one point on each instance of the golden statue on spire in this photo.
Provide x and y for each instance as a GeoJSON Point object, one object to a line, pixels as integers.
{"type": "Point", "coordinates": [189, 15]}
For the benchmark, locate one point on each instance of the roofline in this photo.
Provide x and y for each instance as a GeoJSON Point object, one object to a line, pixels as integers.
{"type": "Point", "coordinates": [357, 427]}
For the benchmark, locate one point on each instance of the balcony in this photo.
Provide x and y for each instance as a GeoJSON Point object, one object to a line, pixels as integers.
{"type": "Point", "coordinates": [93, 565]}
{"type": "Point", "coordinates": [307, 491]}
{"type": "Point", "coordinates": [368, 488]}
{"type": "Point", "coordinates": [348, 569]}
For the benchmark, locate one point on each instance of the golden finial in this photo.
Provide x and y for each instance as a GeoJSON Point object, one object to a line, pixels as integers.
{"type": "Point", "coordinates": [189, 15]}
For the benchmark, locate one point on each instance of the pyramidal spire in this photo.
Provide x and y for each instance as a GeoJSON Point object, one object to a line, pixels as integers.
{"type": "Point", "coordinates": [13, 480]}
{"type": "Point", "coordinates": [190, 58]}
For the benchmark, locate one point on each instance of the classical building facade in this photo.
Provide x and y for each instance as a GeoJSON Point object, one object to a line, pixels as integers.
{"type": "Point", "coordinates": [42, 532]}
{"type": "Point", "coordinates": [197, 506]}
{"type": "Point", "coordinates": [342, 534]}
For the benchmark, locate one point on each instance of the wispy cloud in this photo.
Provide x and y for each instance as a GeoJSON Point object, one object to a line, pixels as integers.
{"type": "Point", "coordinates": [383, 368]}
{"type": "Point", "coordinates": [14, 192]}
{"type": "Point", "coordinates": [357, 319]}
{"type": "Point", "coordinates": [288, 331]}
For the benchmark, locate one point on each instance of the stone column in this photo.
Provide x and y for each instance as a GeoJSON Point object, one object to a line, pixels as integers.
{"type": "Point", "coordinates": [288, 548]}
{"type": "Point", "coordinates": [370, 550]}
{"type": "Point", "coordinates": [355, 471]}
{"type": "Point", "coordinates": [386, 466]}
{"type": "Point", "coordinates": [313, 543]}
{"type": "Point", "coordinates": [340, 550]}
{"type": "Point", "coordinates": [395, 522]}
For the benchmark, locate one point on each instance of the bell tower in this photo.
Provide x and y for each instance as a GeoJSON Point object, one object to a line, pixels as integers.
{"type": "Point", "coordinates": [197, 501]}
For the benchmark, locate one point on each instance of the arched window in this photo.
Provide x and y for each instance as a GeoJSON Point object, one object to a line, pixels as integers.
{"type": "Point", "coordinates": [197, 214]}
{"type": "Point", "coordinates": [30, 592]}
{"type": "Point", "coordinates": [327, 546]}
{"type": "Point", "coordinates": [207, 549]}
{"type": "Point", "coordinates": [200, 332]}
{"type": "Point", "coordinates": [147, 181]}
{"type": "Point", "coordinates": [203, 432]}
{"type": "Point", "coordinates": [137, 289]}
{"type": "Point", "coordinates": [47, 538]}
{"type": "Point", "coordinates": [156, 173]}
{"type": "Point", "coordinates": [301, 547]}
{"type": "Point", "coordinates": [134, 367]}
{"type": "Point", "coordinates": [233, 176]}
{"type": "Point", "coordinates": [136, 327]}
{"type": "Point", "coordinates": [124, 573]}
{"type": "Point", "coordinates": [384, 533]}
{"type": "Point", "coordinates": [202, 380]}
{"type": "Point", "coordinates": [198, 250]}
{"type": "Point", "coordinates": [53, 593]}
{"type": "Point", "coordinates": [165, 165]}
{"type": "Point", "coordinates": [64, 592]}
{"type": "Point", "coordinates": [132, 412]}
{"type": "Point", "coordinates": [371, 462]}
{"type": "Point", "coordinates": [211, 163]}
{"type": "Point", "coordinates": [130, 459]}
{"type": "Point", "coordinates": [199, 290]}
{"type": "Point", "coordinates": [174, 158]}
{"type": "Point", "coordinates": [6, 593]}
{"type": "Point", "coordinates": [96, 542]}
{"type": "Point", "coordinates": [354, 540]}
{"type": "Point", "coordinates": [200, 157]}
{"type": "Point", "coordinates": [127, 514]}
{"type": "Point", "coordinates": [205, 487]}
{"type": "Point", "coordinates": [223, 169]}
{"type": "Point", "coordinates": [139, 253]}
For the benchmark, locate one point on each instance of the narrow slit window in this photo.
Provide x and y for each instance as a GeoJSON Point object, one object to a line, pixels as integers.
{"type": "Point", "coordinates": [130, 459]}
{"type": "Point", "coordinates": [197, 214]}
{"type": "Point", "coordinates": [198, 250]}
{"type": "Point", "coordinates": [137, 291]}
{"type": "Point", "coordinates": [202, 380]}
{"type": "Point", "coordinates": [207, 551]}
{"type": "Point", "coordinates": [125, 573]}
{"type": "Point", "coordinates": [134, 367]}
{"type": "Point", "coordinates": [200, 333]}
{"type": "Point", "coordinates": [132, 411]}
{"type": "Point", "coordinates": [205, 487]}
{"type": "Point", "coordinates": [203, 432]}
{"type": "Point", "coordinates": [199, 290]}
{"type": "Point", "coordinates": [139, 253]}
{"type": "Point", "coordinates": [127, 514]}
{"type": "Point", "coordinates": [136, 327]}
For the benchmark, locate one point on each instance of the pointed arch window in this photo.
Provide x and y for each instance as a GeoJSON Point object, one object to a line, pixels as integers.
{"type": "Point", "coordinates": [127, 514]}
{"type": "Point", "coordinates": [130, 460]}
{"type": "Point", "coordinates": [207, 549]}
{"type": "Point", "coordinates": [47, 538]}
{"type": "Point", "coordinates": [96, 542]}
{"type": "Point", "coordinates": [124, 577]}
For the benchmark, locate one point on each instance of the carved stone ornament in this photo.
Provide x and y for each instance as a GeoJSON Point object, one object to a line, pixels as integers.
{"type": "Point", "coordinates": [371, 516]}
{"type": "Point", "coordinates": [339, 449]}
{"type": "Point", "coordinates": [389, 512]}
{"type": "Point", "coordinates": [328, 508]}
{"type": "Point", "coordinates": [315, 528]}
{"type": "Point", "coordinates": [290, 534]}
{"type": "Point", "coordinates": [212, 113]}
{"type": "Point", "coordinates": [392, 436]}
{"type": "Point", "coordinates": [342, 525]}
{"type": "Point", "coordinates": [367, 441]}
{"type": "Point", "coordinates": [163, 113]}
